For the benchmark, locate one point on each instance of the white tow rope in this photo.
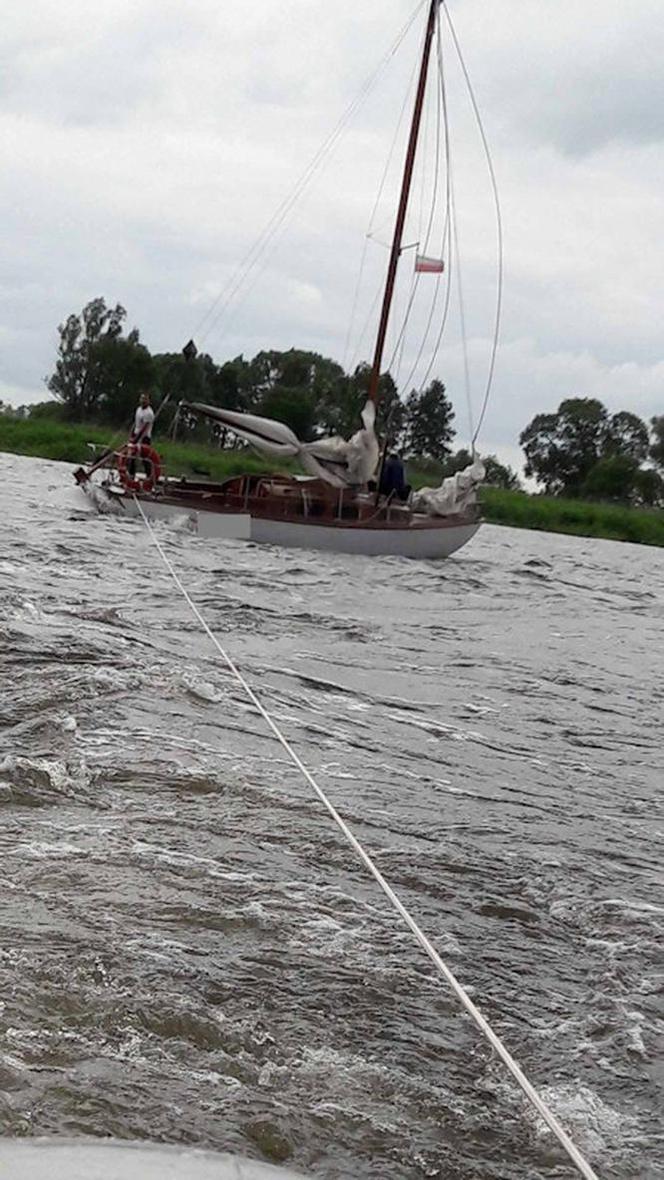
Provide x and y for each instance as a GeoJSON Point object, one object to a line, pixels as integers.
{"type": "Point", "coordinates": [531, 1093]}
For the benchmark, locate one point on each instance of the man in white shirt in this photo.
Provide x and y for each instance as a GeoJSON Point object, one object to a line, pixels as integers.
{"type": "Point", "coordinates": [142, 433]}
{"type": "Point", "coordinates": [143, 421]}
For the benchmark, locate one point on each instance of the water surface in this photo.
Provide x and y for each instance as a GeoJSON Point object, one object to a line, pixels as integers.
{"type": "Point", "coordinates": [188, 950]}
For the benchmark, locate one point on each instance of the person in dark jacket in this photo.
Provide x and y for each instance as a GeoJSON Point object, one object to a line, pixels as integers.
{"type": "Point", "coordinates": [393, 478]}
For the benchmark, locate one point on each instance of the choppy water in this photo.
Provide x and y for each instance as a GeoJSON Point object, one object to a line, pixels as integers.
{"type": "Point", "coordinates": [189, 952]}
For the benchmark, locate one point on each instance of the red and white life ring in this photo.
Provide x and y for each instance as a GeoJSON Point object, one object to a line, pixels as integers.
{"type": "Point", "coordinates": [138, 451]}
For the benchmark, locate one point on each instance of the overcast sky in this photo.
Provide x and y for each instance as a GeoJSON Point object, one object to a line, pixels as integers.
{"type": "Point", "coordinates": [146, 143]}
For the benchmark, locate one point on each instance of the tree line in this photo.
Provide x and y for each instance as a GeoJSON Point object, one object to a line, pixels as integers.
{"type": "Point", "coordinates": [100, 372]}
{"type": "Point", "coordinates": [580, 450]}
{"type": "Point", "coordinates": [583, 451]}
{"type": "Point", "coordinates": [101, 368]}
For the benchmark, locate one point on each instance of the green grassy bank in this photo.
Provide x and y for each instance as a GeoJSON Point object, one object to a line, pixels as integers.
{"type": "Point", "coordinates": [69, 443]}
{"type": "Point", "coordinates": [583, 518]}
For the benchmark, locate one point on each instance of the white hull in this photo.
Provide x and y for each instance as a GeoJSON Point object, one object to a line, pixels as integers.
{"type": "Point", "coordinates": [53, 1159]}
{"type": "Point", "coordinates": [402, 542]}
{"type": "Point", "coordinates": [425, 538]}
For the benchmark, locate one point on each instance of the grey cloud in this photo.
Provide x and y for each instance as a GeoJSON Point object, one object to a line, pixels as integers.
{"type": "Point", "coordinates": [577, 77]}
{"type": "Point", "coordinates": [583, 113]}
{"type": "Point", "coordinates": [99, 68]}
{"type": "Point", "coordinates": [209, 114]}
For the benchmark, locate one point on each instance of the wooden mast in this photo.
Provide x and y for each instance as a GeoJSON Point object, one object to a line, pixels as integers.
{"type": "Point", "coordinates": [403, 204]}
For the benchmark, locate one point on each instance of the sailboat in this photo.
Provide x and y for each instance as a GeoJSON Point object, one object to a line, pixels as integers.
{"type": "Point", "coordinates": [338, 504]}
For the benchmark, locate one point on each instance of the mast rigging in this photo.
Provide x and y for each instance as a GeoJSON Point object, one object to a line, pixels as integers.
{"type": "Point", "coordinates": [403, 203]}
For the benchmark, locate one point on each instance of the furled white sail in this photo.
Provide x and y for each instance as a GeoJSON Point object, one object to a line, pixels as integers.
{"type": "Point", "coordinates": [342, 463]}
{"type": "Point", "coordinates": [456, 493]}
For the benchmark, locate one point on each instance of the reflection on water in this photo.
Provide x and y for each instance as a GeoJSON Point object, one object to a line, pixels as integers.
{"type": "Point", "coordinates": [189, 951]}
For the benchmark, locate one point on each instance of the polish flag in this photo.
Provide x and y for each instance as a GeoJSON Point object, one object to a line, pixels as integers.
{"type": "Point", "coordinates": [428, 266]}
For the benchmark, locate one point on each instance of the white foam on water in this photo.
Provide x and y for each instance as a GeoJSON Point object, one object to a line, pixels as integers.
{"type": "Point", "coordinates": [204, 690]}
{"type": "Point", "coordinates": [44, 850]}
{"type": "Point", "coordinates": [597, 1127]}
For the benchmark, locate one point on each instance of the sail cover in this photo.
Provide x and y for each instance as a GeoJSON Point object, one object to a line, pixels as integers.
{"type": "Point", "coordinates": [456, 493]}
{"type": "Point", "coordinates": [340, 462]}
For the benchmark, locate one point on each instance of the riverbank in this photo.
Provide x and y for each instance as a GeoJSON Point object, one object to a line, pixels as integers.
{"type": "Point", "coordinates": [69, 443]}
{"type": "Point", "coordinates": [580, 518]}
